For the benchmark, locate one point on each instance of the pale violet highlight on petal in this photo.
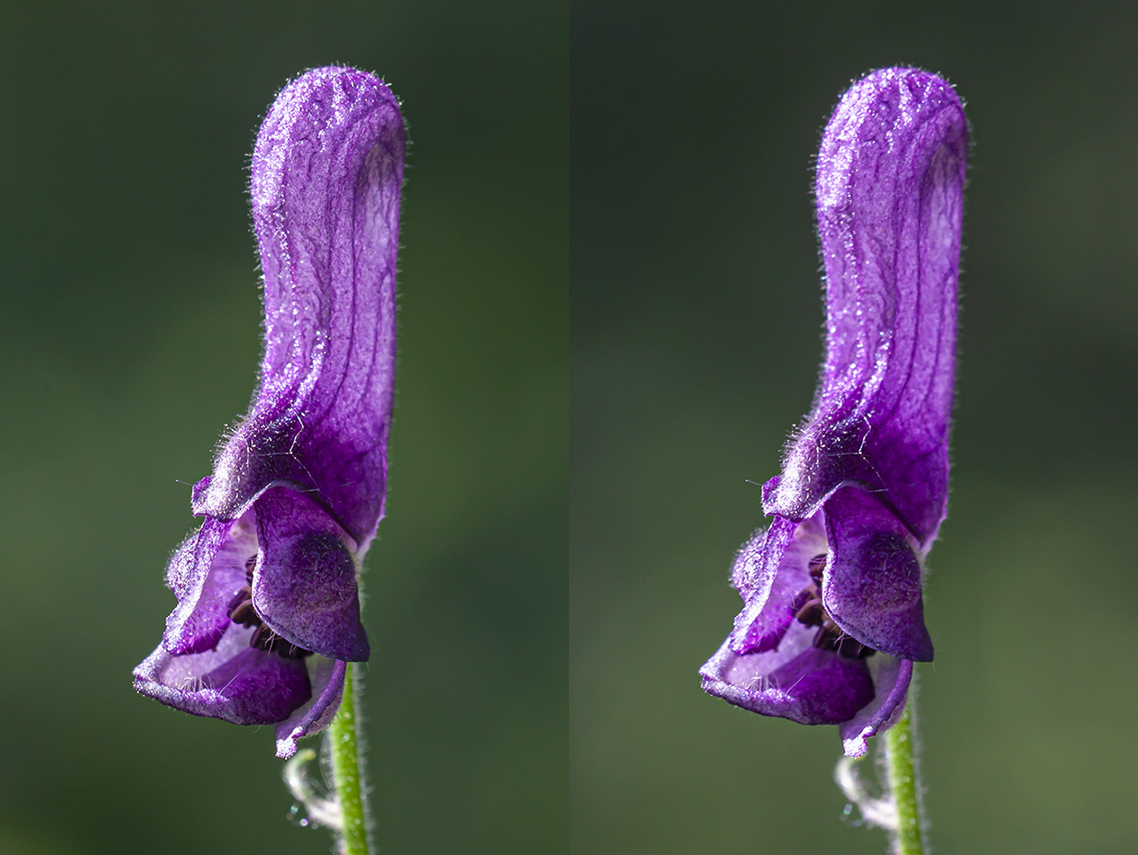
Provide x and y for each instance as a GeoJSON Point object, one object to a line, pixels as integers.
{"type": "Point", "coordinates": [891, 679]}
{"type": "Point", "coordinates": [234, 682]}
{"type": "Point", "coordinates": [769, 571]}
{"type": "Point", "coordinates": [327, 688]}
{"type": "Point", "coordinates": [890, 184]}
{"type": "Point", "coordinates": [794, 681]}
{"type": "Point", "coordinates": [204, 573]}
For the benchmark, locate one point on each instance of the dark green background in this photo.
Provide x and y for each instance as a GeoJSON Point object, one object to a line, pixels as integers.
{"type": "Point", "coordinates": [696, 322]}
{"type": "Point", "coordinates": [129, 321]}
{"type": "Point", "coordinates": [128, 339]}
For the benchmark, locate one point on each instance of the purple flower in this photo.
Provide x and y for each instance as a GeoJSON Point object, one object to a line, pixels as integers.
{"type": "Point", "coordinates": [268, 606]}
{"type": "Point", "coordinates": [833, 616]}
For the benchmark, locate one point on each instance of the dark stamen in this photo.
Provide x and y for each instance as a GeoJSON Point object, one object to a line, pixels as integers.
{"type": "Point", "coordinates": [244, 614]}
{"type": "Point", "coordinates": [811, 614]}
{"type": "Point", "coordinates": [816, 566]}
{"type": "Point", "coordinates": [809, 611]}
{"type": "Point", "coordinates": [240, 610]}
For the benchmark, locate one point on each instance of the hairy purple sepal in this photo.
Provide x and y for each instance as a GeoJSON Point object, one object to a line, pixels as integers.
{"type": "Point", "coordinates": [889, 192]}
{"type": "Point", "coordinates": [297, 490]}
{"type": "Point", "coordinates": [327, 172]}
{"type": "Point", "coordinates": [864, 484]}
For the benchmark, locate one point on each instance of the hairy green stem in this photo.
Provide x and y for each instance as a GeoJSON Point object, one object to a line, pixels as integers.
{"type": "Point", "coordinates": [901, 771]}
{"type": "Point", "coordinates": [343, 746]}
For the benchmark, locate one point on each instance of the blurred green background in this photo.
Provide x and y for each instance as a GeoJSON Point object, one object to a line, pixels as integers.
{"type": "Point", "coordinates": [696, 321]}
{"type": "Point", "coordinates": [129, 326]}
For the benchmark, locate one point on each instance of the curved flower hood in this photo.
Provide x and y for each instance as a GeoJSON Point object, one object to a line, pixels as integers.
{"type": "Point", "coordinates": [268, 605]}
{"type": "Point", "coordinates": [833, 615]}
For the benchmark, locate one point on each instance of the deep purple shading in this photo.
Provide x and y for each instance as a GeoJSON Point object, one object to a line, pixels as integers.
{"type": "Point", "coordinates": [872, 587]}
{"type": "Point", "coordinates": [297, 490]}
{"type": "Point", "coordinates": [864, 483]}
{"type": "Point", "coordinates": [317, 609]}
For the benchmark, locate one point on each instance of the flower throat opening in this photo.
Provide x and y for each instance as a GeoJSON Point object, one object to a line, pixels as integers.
{"type": "Point", "coordinates": [808, 610]}
{"type": "Point", "coordinates": [241, 611]}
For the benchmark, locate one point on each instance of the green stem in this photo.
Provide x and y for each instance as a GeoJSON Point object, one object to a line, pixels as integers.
{"type": "Point", "coordinates": [348, 768]}
{"type": "Point", "coordinates": [901, 770]}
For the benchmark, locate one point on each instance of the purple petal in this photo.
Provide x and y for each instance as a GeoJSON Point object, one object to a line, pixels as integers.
{"type": "Point", "coordinates": [769, 572]}
{"type": "Point", "coordinates": [204, 573]}
{"type": "Point", "coordinates": [304, 583]}
{"type": "Point", "coordinates": [235, 682]}
{"type": "Point", "coordinates": [891, 679]}
{"type": "Point", "coordinates": [872, 586]}
{"type": "Point", "coordinates": [326, 176]}
{"type": "Point", "coordinates": [317, 714]}
{"type": "Point", "coordinates": [795, 681]}
{"type": "Point", "coordinates": [751, 575]}
{"type": "Point", "coordinates": [890, 184]}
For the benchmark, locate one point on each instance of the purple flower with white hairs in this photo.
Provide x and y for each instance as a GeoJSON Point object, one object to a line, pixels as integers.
{"type": "Point", "coordinates": [833, 616]}
{"type": "Point", "coordinates": [268, 610]}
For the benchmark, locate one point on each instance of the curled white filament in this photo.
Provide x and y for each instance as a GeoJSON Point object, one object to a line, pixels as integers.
{"type": "Point", "coordinates": [322, 810]}
{"type": "Point", "coordinates": [877, 812]}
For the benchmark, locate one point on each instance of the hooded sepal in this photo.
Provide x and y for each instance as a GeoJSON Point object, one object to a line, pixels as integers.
{"type": "Point", "coordinates": [833, 613]}
{"type": "Point", "coordinates": [298, 488]}
{"type": "Point", "coordinates": [327, 171]}
{"type": "Point", "coordinates": [890, 184]}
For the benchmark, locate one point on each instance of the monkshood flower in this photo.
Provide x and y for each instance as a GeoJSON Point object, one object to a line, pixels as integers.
{"type": "Point", "coordinates": [833, 611]}
{"type": "Point", "coordinates": [268, 608]}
